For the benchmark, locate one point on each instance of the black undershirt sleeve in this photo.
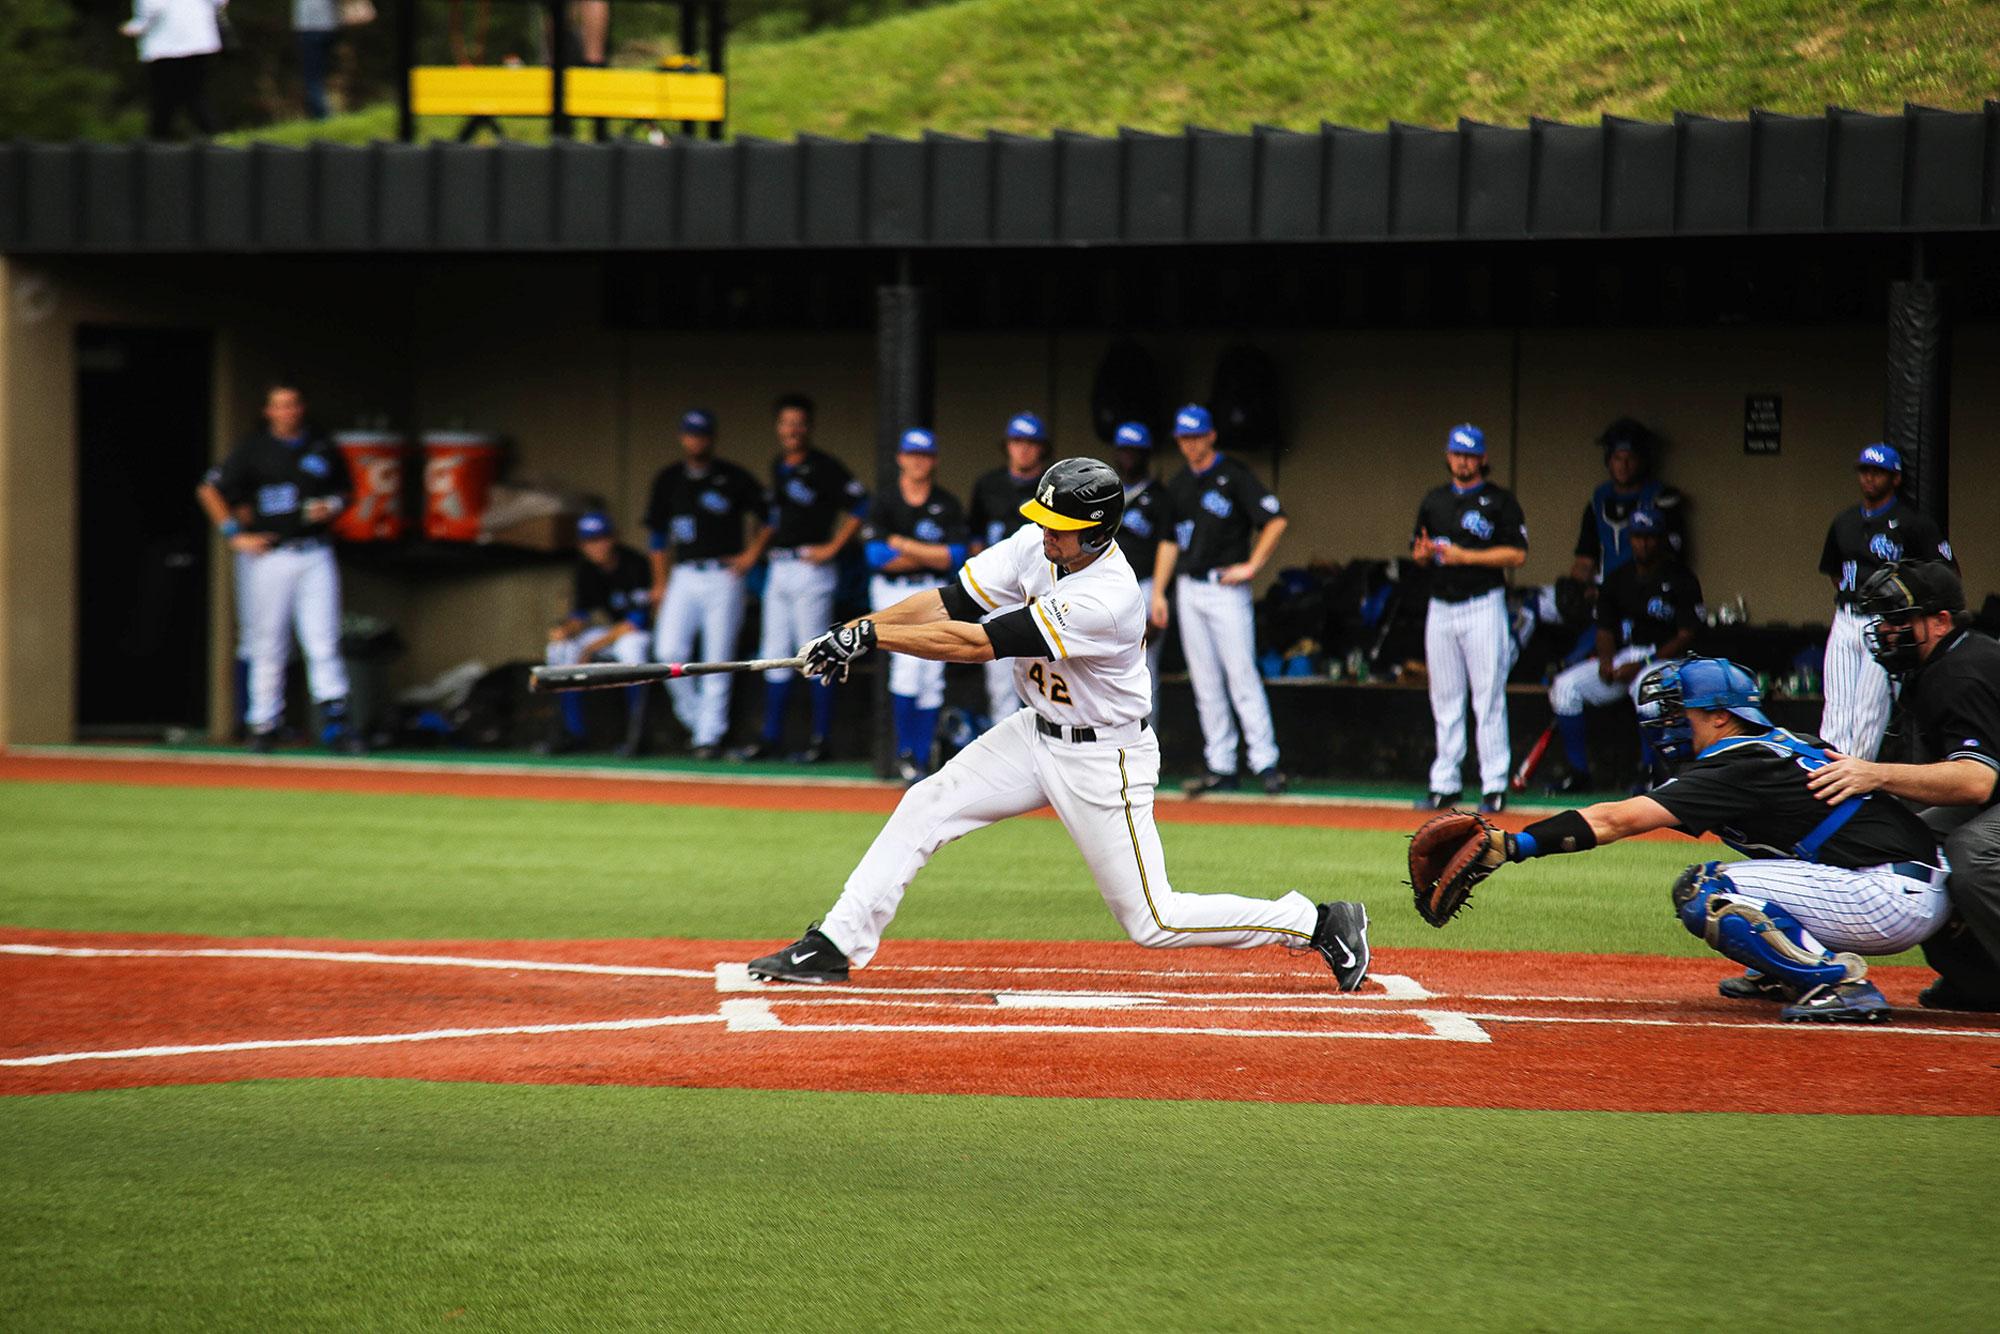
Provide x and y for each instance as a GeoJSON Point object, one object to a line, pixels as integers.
{"type": "Point", "coordinates": [1015, 635]}
{"type": "Point", "coordinates": [959, 604]}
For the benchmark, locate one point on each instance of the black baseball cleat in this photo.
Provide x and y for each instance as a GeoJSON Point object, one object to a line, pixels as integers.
{"type": "Point", "coordinates": [264, 742]}
{"type": "Point", "coordinates": [711, 751]}
{"type": "Point", "coordinates": [351, 743]}
{"type": "Point", "coordinates": [756, 750]}
{"type": "Point", "coordinates": [1840, 1003]}
{"type": "Point", "coordinates": [1213, 782]}
{"type": "Point", "coordinates": [817, 751]}
{"type": "Point", "coordinates": [1492, 803]}
{"type": "Point", "coordinates": [1753, 985]}
{"type": "Point", "coordinates": [1341, 937]}
{"type": "Point", "coordinates": [811, 958]}
{"type": "Point", "coordinates": [1942, 995]}
{"type": "Point", "coordinates": [1274, 781]}
{"type": "Point", "coordinates": [1436, 801]}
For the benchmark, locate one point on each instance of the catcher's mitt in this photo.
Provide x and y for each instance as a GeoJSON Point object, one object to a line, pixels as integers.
{"type": "Point", "coordinates": [1449, 854]}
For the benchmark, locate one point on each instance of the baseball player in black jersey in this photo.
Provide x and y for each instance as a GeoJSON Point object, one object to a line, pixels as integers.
{"type": "Point", "coordinates": [994, 513]}
{"type": "Point", "coordinates": [1951, 703]}
{"type": "Point", "coordinates": [610, 619]}
{"type": "Point", "coordinates": [1649, 610]}
{"type": "Point", "coordinates": [816, 507]}
{"type": "Point", "coordinates": [1877, 532]}
{"type": "Point", "coordinates": [695, 525]}
{"type": "Point", "coordinates": [1145, 524]}
{"type": "Point", "coordinates": [1472, 532]}
{"type": "Point", "coordinates": [1603, 541]}
{"type": "Point", "coordinates": [916, 539]}
{"type": "Point", "coordinates": [273, 499]}
{"type": "Point", "coordinates": [1224, 526]}
{"type": "Point", "coordinates": [1825, 884]}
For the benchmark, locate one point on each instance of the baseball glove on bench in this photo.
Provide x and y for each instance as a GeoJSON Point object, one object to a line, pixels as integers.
{"type": "Point", "coordinates": [1449, 854]}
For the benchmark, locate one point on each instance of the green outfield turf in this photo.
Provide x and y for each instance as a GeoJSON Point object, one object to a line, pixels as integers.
{"type": "Point", "coordinates": [359, 1204]}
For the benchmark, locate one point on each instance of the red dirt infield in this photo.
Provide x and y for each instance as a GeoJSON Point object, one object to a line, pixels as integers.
{"type": "Point", "coordinates": [1432, 1027]}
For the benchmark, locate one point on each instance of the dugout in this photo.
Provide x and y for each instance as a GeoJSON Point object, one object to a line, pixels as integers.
{"type": "Point", "coordinates": [575, 297]}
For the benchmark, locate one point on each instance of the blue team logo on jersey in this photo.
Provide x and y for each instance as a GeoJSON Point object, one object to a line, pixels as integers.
{"type": "Point", "coordinates": [1660, 609]}
{"type": "Point", "coordinates": [800, 494]}
{"type": "Point", "coordinates": [1138, 524]}
{"type": "Point", "coordinates": [1885, 548]}
{"type": "Point", "coordinates": [681, 529]}
{"type": "Point", "coordinates": [929, 530]}
{"type": "Point", "coordinates": [1944, 549]}
{"type": "Point", "coordinates": [316, 464]}
{"type": "Point", "coordinates": [714, 502]}
{"type": "Point", "coordinates": [1472, 521]}
{"type": "Point", "coordinates": [1217, 504]}
{"type": "Point", "coordinates": [995, 530]}
{"type": "Point", "coordinates": [1184, 533]}
{"type": "Point", "coordinates": [618, 600]}
{"type": "Point", "coordinates": [278, 498]}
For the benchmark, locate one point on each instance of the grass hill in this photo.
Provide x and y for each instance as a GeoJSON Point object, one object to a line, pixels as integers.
{"type": "Point", "coordinates": [1030, 66]}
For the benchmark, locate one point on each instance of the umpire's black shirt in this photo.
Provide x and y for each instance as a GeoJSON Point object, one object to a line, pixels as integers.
{"type": "Point", "coordinates": [1215, 513]}
{"type": "Point", "coordinates": [623, 593]}
{"type": "Point", "coordinates": [1649, 609]}
{"type": "Point", "coordinates": [1859, 543]}
{"type": "Point", "coordinates": [1485, 517]}
{"type": "Point", "coordinates": [808, 499]}
{"type": "Point", "coordinates": [277, 479]}
{"type": "Point", "coordinates": [700, 515]}
{"type": "Point", "coordinates": [1753, 793]}
{"type": "Point", "coordinates": [997, 498]}
{"type": "Point", "coordinates": [1146, 522]}
{"type": "Point", "coordinates": [1954, 698]}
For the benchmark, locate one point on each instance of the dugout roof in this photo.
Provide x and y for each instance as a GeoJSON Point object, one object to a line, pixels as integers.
{"type": "Point", "coordinates": [1844, 172]}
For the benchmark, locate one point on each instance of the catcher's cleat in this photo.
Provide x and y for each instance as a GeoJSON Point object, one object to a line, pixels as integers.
{"type": "Point", "coordinates": [1492, 803]}
{"type": "Point", "coordinates": [810, 958]}
{"type": "Point", "coordinates": [1841, 1003]}
{"type": "Point", "coordinates": [1436, 801]}
{"type": "Point", "coordinates": [1195, 787]}
{"type": "Point", "coordinates": [1341, 937]}
{"type": "Point", "coordinates": [1753, 985]}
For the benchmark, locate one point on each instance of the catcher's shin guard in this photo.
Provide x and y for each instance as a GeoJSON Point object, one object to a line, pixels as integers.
{"type": "Point", "coordinates": [1757, 934]}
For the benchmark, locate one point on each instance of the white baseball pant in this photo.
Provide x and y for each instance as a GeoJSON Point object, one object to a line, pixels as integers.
{"type": "Point", "coordinates": [1579, 687]}
{"type": "Point", "coordinates": [1873, 910]}
{"type": "Point", "coordinates": [1102, 791]}
{"type": "Point", "coordinates": [1219, 639]}
{"type": "Point", "coordinates": [704, 603]}
{"type": "Point", "coordinates": [913, 678]}
{"type": "Point", "coordinates": [293, 587]}
{"type": "Point", "coordinates": [1153, 649]}
{"type": "Point", "coordinates": [1467, 649]}
{"type": "Point", "coordinates": [1857, 690]}
{"type": "Point", "coordinates": [798, 607]}
{"type": "Point", "coordinates": [629, 647]}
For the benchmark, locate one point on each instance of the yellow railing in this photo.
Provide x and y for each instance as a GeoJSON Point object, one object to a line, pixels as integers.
{"type": "Point", "coordinates": [527, 90]}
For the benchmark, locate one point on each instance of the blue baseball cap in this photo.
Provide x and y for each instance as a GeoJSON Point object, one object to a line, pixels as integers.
{"type": "Point", "coordinates": [594, 524]}
{"type": "Point", "coordinates": [1132, 435]}
{"type": "Point", "coordinates": [1646, 520]}
{"type": "Point", "coordinates": [697, 422]}
{"type": "Point", "coordinates": [1881, 456]}
{"type": "Point", "coordinates": [918, 441]}
{"type": "Point", "coordinates": [1027, 426]}
{"type": "Point", "coordinates": [1466, 438]}
{"type": "Point", "coordinates": [1193, 420]}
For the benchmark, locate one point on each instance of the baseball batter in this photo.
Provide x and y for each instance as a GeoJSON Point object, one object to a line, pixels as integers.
{"type": "Point", "coordinates": [695, 524]}
{"type": "Point", "coordinates": [1139, 536]}
{"type": "Point", "coordinates": [816, 509]}
{"type": "Point", "coordinates": [1826, 883]}
{"type": "Point", "coordinates": [1473, 532]}
{"type": "Point", "coordinates": [610, 619]}
{"type": "Point", "coordinates": [273, 498]}
{"type": "Point", "coordinates": [994, 512]}
{"type": "Point", "coordinates": [1075, 643]}
{"type": "Point", "coordinates": [916, 539]}
{"type": "Point", "coordinates": [1877, 532]}
{"type": "Point", "coordinates": [1225, 525]}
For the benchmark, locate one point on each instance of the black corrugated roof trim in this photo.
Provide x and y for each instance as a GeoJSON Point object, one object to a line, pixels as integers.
{"type": "Point", "coordinates": [1924, 170]}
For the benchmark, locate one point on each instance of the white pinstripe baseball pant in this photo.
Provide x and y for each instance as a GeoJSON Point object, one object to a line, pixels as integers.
{"type": "Point", "coordinates": [1467, 648]}
{"type": "Point", "coordinates": [1219, 639]}
{"type": "Point", "coordinates": [704, 602]}
{"type": "Point", "coordinates": [1856, 712]}
{"type": "Point", "coordinates": [1873, 910]}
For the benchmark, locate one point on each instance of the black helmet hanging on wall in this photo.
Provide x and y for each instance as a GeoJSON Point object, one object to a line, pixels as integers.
{"type": "Point", "coordinates": [1082, 496]}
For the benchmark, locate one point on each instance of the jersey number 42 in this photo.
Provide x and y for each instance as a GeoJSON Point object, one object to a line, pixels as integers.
{"type": "Point", "coordinates": [1049, 684]}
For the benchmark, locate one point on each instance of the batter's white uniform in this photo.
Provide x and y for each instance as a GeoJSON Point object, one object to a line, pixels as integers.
{"type": "Point", "coordinates": [1082, 747]}
{"type": "Point", "coordinates": [704, 603]}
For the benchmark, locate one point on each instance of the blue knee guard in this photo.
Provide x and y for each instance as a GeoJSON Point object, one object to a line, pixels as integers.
{"type": "Point", "coordinates": [1755, 933]}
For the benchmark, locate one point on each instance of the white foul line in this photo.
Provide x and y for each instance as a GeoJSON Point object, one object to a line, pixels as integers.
{"type": "Point", "coordinates": [361, 956]}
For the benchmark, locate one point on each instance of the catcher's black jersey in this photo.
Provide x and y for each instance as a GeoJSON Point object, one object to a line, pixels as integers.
{"type": "Point", "coordinates": [939, 519]}
{"type": "Point", "coordinates": [1752, 791]}
{"type": "Point", "coordinates": [623, 593]}
{"type": "Point", "coordinates": [700, 516]}
{"type": "Point", "coordinates": [997, 498]}
{"type": "Point", "coordinates": [808, 500]}
{"type": "Point", "coordinates": [1145, 525]}
{"type": "Point", "coordinates": [1649, 609]}
{"type": "Point", "coordinates": [277, 479]}
{"type": "Point", "coordinates": [1954, 699]}
{"type": "Point", "coordinates": [1215, 513]}
{"type": "Point", "coordinates": [1485, 517]}
{"type": "Point", "coordinates": [1859, 543]}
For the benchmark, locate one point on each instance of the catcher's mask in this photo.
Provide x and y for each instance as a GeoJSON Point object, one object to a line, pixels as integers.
{"type": "Point", "coordinates": [1895, 596]}
{"type": "Point", "coordinates": [1668, 690]}
{"type": "Point", "coordinates": [1081, 496]}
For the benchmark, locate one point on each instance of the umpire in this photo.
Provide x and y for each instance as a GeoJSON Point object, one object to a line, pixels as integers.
{"type": "Point", "coordinates": [1951, 695]}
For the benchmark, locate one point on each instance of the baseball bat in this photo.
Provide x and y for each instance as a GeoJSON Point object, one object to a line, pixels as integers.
{"type": "Point", "coordinates": [604, 675]}
{"type": "Point", "coordinates": [1533, 760]}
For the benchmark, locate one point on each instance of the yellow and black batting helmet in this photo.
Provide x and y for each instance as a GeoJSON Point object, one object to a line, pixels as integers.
{"type": "Point", "coordinates": [1082, 496]}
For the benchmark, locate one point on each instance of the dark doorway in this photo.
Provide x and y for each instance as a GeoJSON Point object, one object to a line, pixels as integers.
{"type": "Point", "coordinates": [143, 426]}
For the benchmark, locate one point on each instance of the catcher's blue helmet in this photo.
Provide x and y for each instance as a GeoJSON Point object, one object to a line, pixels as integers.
{"type": "Point", "coordinates": [1669, 690]}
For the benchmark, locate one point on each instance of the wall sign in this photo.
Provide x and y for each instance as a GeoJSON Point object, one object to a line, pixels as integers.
{"type": "Point", "coordinates": [1763, 422]}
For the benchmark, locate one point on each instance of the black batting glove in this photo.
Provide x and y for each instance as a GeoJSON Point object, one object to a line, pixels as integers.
{"type": "Point", "coordinates": [830, 657]}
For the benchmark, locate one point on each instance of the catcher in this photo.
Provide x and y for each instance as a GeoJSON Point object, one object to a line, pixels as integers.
{"type": "Point", "coordinates": [1825, 883]}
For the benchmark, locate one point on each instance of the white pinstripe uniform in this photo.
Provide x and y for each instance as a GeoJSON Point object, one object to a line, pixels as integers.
{"type": "Point", "coordinates": [1856, 689]}
{"type": "Point", "coordinates": [1093, 677]}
